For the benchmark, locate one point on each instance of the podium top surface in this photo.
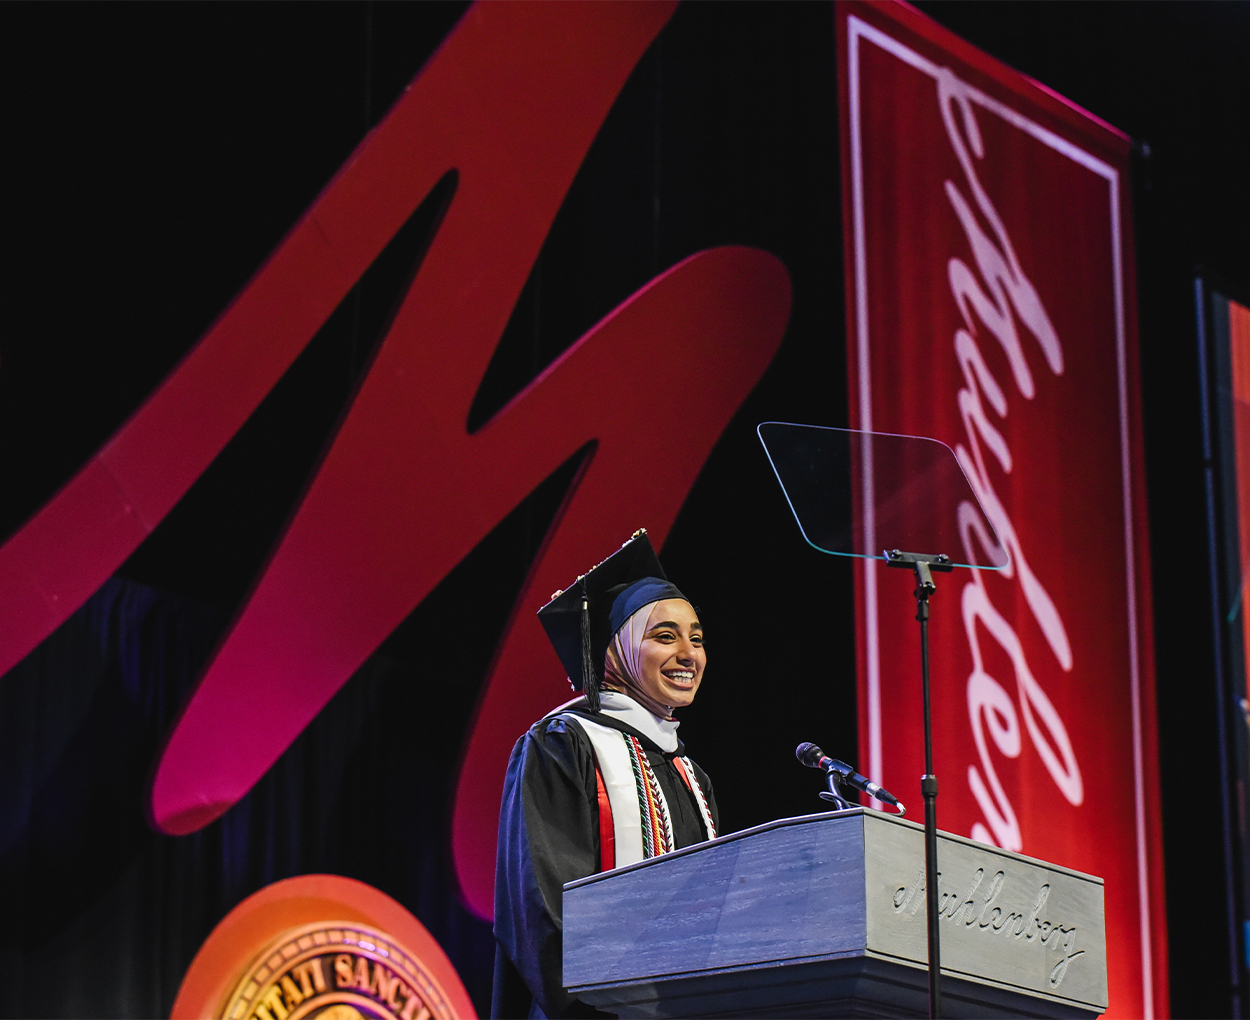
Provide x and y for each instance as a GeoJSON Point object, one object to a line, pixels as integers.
{"type": "Point", "coordinates": [823, 816]}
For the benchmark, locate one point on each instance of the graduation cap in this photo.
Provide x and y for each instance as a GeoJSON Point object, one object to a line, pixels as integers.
{"type": "Point", "coordinates": [581, 620]}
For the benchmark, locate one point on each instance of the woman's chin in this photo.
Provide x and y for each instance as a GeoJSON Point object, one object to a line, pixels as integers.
{"type": "Point", "coordinates": [678, 698]}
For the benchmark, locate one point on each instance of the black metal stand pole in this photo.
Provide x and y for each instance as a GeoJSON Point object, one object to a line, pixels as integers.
{"type": "Point", "coordinates": [921, 566]}
{"type": "Point", "coordinates": [929, 789]}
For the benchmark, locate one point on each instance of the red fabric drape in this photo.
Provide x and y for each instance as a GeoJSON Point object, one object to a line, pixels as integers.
{"type": "Point", "coordinates": [991, 306]}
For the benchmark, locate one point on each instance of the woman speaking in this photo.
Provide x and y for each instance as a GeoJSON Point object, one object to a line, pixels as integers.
{"type": "Point", "coordinates": [603, 780]}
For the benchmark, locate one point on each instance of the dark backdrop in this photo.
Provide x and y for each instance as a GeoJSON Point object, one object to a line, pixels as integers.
{"type": "Point", "coordinates": [156, 154]}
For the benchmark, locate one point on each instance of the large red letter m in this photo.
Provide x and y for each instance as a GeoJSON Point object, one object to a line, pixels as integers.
{"type": "Point", "coordinates": [511, 101]}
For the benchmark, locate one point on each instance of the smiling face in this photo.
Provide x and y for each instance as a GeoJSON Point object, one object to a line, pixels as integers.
{"type": "Point", "coordinates": [671, 658]}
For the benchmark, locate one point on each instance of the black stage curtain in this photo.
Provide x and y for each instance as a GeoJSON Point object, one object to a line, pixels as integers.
{"type": "Point", "coordinates": [102, 915]}
{"type": "Point", "coordinates": [210, 130]}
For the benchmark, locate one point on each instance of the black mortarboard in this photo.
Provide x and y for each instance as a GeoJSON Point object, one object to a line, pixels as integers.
{"type": "Point", "coordinates": [581, 620]}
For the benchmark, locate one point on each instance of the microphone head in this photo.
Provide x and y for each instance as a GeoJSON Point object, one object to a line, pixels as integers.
{"type": "Point", "coordinates": [809, 754]}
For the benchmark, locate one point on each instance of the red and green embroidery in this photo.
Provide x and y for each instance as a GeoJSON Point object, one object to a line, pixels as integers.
{"type": "Point", "coordinates": [657, 828]}
{"type": "Point", "coordinates": [686, 767]}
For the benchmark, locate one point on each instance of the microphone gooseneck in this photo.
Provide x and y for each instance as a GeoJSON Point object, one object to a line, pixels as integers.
{"type": "Point", "coordinates": [813, 757]}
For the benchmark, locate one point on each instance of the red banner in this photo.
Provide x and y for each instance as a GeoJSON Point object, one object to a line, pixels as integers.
{"type": "Point", "coordinates": [991, 306]}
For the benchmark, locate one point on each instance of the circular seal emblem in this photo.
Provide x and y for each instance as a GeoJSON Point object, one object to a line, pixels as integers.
{"type": "Point", "coordinates": [322, 946]}
{"type": "Point", "coordinates": [336, 971]}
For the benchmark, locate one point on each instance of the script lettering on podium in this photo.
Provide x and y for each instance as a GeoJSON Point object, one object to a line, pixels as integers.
{"type": "Point", "coordinates": [977, 910]}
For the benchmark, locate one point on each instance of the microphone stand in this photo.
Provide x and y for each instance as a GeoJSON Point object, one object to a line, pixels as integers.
{"type": "Point", "coordinates": [834, 793]}
{"type": "Point", "coordinates": [921, 565]}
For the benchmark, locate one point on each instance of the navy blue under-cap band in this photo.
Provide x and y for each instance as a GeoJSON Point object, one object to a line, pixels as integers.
{"type": "Point", "coordinates": [639, 594]}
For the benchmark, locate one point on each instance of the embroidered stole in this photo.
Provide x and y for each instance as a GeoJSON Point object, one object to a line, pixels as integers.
{"type": "Point", "coordinates": [634, 817]}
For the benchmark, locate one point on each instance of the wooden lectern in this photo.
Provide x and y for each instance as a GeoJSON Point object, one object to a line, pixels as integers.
{"type": "Point", "coordinates": [824, 916]}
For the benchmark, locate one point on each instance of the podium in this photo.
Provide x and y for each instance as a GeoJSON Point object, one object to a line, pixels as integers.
{"type": "Point", "coordinates": [824, 916]}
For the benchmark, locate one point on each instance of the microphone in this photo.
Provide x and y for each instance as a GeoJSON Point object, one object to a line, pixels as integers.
{"type": "Point", "coordinates": [813, 757]}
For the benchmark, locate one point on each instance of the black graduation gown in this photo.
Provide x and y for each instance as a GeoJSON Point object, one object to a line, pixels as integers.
{"type": "Point", "coordinates": [549, 835]}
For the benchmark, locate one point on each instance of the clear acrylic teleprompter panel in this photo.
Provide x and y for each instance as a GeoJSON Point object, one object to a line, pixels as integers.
{"type": "Point", "coordinates": [911, 494]}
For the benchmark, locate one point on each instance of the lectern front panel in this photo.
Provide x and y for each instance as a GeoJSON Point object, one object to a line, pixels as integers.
{"type": "Point", "coordinates": [825, 916]}
{"type": "Point", "coordinates": [1010, 920]}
